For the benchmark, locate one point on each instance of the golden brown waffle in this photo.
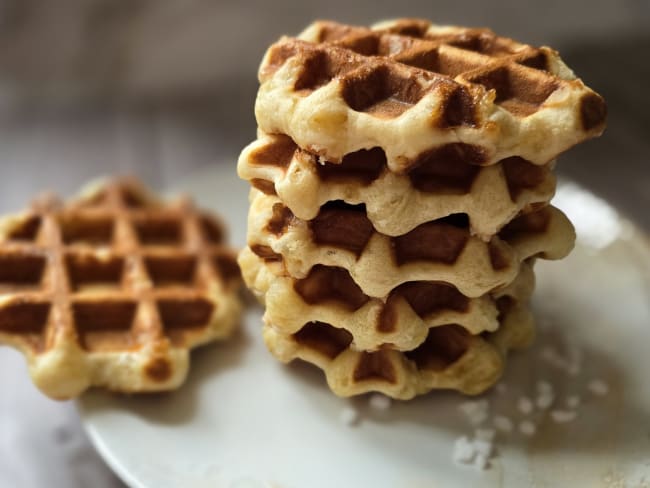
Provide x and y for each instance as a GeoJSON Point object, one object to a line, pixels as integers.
{"type": "Point", "coordinates": [449, 358]}
{"type": "Point", "coordinates": [443, 250]}
{"type": "Point", "coordinates": [113, 289]}
{"type": "Point", "coordinates": [438, 186]}
{"type": "Point", "coordinates": [329, 295]}
{"type": "Point", "coordinates": [410, 87]}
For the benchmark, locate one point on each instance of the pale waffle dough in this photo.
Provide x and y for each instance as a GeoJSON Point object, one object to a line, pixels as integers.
{"type": "Point", "coordinates": [491, 196]}
{"type": "Point", "coordinates": [330, 296]}
{"type": "Point", "coordinates": [113, 289]}
{"type": "Point", "coordinates": [436, 251]}
{"type": "Point", "coordinates": [451, 358]}
{"type": "Point", "coordinates": [409, 87]}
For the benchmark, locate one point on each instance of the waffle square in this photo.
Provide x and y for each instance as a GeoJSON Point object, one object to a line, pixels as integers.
{"type": "Point", "coordinates": [113, 289]}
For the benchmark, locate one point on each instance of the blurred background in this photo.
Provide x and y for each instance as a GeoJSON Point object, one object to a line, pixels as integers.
{"type": "Point", "coordinates": [162, 88]}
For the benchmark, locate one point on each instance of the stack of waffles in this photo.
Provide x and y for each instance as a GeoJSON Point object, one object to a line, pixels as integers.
{"type": "Point", "coordinates": [401, 184]}
{"type": "Point", "coordinates": [114, 289]}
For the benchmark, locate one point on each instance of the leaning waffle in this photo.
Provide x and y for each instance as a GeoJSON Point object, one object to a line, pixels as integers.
{"type": "Point", "coordinates": [449, 358]}
{"type": "Point", "coordinates": [329, 295]}
{"type": "Point", "coordinates": [410, 87]}
{"type": "Point", "coordinates": [440, 184]}
{"type": "Point", "coordinates": [443, 250]}
{"type": "Point", "coordinates": [113, 289]}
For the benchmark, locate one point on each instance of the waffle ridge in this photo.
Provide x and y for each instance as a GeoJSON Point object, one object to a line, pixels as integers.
{"type": "Point", "coordinates": [113, 289]}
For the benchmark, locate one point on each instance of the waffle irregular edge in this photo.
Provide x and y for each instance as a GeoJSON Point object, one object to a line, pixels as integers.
{"type": "Point", "coordinates": [114, 289]}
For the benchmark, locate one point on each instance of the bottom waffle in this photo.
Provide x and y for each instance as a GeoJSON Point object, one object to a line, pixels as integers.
{"type": "Point", "coordinates": [114, 289]}
{"type": "Point", "coordinates": [402, 320]}
{"type": "Point", "coordinates": [450, 357]}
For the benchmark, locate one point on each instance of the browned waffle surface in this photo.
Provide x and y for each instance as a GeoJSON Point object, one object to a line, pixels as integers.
{"type": "Point", "coordinates": [409, 87]}
{"type": "Point", "coordinates": [440, 183]}
{"type": "Point", "coordinates": [443, 250]}
{"type": "Point", "coordinates": [113, 289]}
{"type": "Point", "coordinates": [401, 321]}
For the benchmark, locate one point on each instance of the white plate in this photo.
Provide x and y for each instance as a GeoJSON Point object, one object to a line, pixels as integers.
{"type": "Point", "coordinates": [245, 420]}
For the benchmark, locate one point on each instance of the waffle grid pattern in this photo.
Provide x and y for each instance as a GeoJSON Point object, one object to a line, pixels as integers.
{"type": "Point", "coordinates": [114, 276]}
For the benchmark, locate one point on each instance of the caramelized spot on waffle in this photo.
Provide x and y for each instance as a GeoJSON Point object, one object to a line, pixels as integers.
{"type": "Point", "coordinates": [105, 326]}
{"type": "Point", "coordinates": [443, 346]}
{"type": "Point", "coordinates": [88, 269]}
{"type": "Point", "coordinates": [323, 338]}
{"type": "Point", "coordinates": [158, 230]}
{"type": "Point", "coordinates": [21, 269]}
{"type": "Point", "coordinates": [265, 186]}
{"type": "Point", "coordinates": [536, 59]}
{"type": "Point", "coordinates": [325, 283]}
{"type": "Point", "coordinates": [441, 240]}
{"type": "Point", "coordinates": [158, 369]}
{"type": "Point", "coordinates": [375, 366]}
{"type": "Point", "coordinates": [170, 270]}
{"type": "Point", "coordinates": [227, 267]}
{"type": "Point", "coordinates": [211, 230]}
{"type": "Point", "coordinates": [86, 229]}
{"type": "Point", "coordinates": [26, 319]}
{"type": "Point", "coordinates": [23, 317]}
{"type": "Point", "coordinates": [362, 167]}
{"type": "Point", "coordinates": [519, 93]}
{"type": "Point", "coordinates": [425, 297]}
{"type": "Point", "coordinates": [410, 27]}
{"type": "Point", "coordinates": [452, 167]}
{"type": "Point", "coordinates": [318, 71]}
{"type": "Point", "coordinates": [282, 217]}
{"type": "Point", "coordinates": [381, 92]}
{"type": "Point", "coordinates": [278, 153]}
{"type": "Point", "coordinates": [534, 222]}
{"type": "Point", "coordinates": [181, 313]}
{"type": "Point", "coordinates": [26, 230]}
{"type": "Point", "coordinates": [593, 111]}
{"type": "Point", "coordinates": [458, 107]}
{"type": "Point", "coordinates": [498, 257]}
{"type": "Point", "coordinates": [342, 225]}
{"type": "Point", "coordinates": [522, 175]}
{"type": "Point", "coordinates": [265, 252]}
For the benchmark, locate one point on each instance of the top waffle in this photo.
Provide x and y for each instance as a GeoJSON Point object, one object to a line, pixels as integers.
{"type": "Point", "coordinates": [113, 289]}
{"type": "Point", "coordinates": [409, 87]}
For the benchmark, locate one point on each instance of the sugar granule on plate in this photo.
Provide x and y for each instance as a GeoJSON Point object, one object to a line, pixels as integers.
{"type": "Point", "coordinates": [464, 451]}
{"type": "Point", "coordinates": [483, 448]}
{"type": "Point", "coordinates": [563, 416]}
{"type": "Point", "coordinates": [503, 423]}
{"type": "Point", "coordinates": [476, 411]}
{"type": "Point", "coordinates": [544, 400]}
{"type": "Point", "coordinates": [573, 401]}
{"type": "Point", "coordinates": [485, 434]}
{"type": "Point", "coordinates": [379, 402]}
{"type": "Point", "coordinates": [527, 428]}
{"type": "Point", "coordinates": [598, 387]}
{"type": "Point", "coordinates": [481, 462]}
{"type": "Point", "coordinates": [544, 387]}
{"type": "Point", "coordinates": [501, 388]}
{"type": "Point", "coordinates": [525, 405]}
{"type": "Point", "coordinates": [349, 416]}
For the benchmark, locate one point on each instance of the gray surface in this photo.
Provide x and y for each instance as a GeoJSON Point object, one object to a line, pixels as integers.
{"type": "Point", "coordinates": [59, 146]}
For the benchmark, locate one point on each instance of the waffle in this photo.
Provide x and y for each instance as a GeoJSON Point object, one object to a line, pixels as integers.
{"type": "Point", "coordinates": [329, 295]}
{"type": "Point", "coordinates": [113, 289]}
{"type": "Point", "coordinates": [410, 87]}
{"type": "Point", "coordinates": [437, 187]}
{"type": "Point", "coordinates": [449, 358]}
{"type": "Point", "coordinates": [443, 250]}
